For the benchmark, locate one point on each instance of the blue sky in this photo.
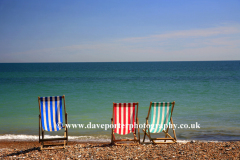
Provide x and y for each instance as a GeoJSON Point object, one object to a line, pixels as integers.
{"type": "Point", "coordinates": [119, 30]}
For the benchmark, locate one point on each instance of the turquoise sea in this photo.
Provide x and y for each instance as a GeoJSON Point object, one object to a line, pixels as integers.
{"type": "Point", "coordinates": [205, 92]}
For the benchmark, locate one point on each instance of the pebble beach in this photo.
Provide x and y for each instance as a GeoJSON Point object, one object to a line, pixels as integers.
{"type": "Point", "coordinates": [80, 150]}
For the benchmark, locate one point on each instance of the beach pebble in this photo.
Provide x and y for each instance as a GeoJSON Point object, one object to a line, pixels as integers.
{"type": "Point", "coordinates": [77, 150]}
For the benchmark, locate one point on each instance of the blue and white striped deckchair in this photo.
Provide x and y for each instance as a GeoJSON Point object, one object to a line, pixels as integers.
{"type": "Point", "coordinates": [51, 111]}
{"type": "Point", "coordinates": [50, 117]}
{"type": "Point", "coordinates": [158, 120]}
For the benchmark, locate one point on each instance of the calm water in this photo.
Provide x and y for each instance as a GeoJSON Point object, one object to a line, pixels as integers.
{"type": "Point", "coordinates": [204, 92]}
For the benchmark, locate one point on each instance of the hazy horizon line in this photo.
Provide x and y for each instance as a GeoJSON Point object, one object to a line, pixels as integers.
{"type": "Point", "coordinates": [130, 61]}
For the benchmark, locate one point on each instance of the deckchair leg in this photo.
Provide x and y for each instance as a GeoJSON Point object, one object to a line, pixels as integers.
{"type": "Point", "coordinates": [138, 132]}
{"type": "Point", "coordinates": [112, 131]}
{"type": "Point", "coordinates": [41, 146]}
{"type": "Point", "coordinates": [145, 130]}
{"type": "Point", "coordinates": [134, 135]}
{"type": "Point", "coordinates": [42, 138]}
{"type": "Point", "coordinates": [113, 138]}
{"type": "Point", "coordinates": [166, 134]}
{"type": "Point", "coordinates": [64, 140]}
{"type": "Point", "coordinates": [174, 134]}
{"type": "Point", "coordinates": [42, 134]}
{"type": "Point", "coordinates": [144, 135]}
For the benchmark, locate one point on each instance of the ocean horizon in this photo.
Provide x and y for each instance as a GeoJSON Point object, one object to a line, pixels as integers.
{"type": "Point", "coordinates": [206, 95]}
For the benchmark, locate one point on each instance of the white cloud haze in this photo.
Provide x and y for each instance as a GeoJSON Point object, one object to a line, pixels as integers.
{"type": "Point", "coordinates": [220, 43]}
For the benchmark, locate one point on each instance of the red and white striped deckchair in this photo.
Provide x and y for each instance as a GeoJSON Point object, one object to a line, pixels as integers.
{"type": "Point", "coordinates": [125, 121]}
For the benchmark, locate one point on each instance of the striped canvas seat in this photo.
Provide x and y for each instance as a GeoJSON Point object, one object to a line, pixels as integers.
{"type": "Point", "coordinates": [125, 121]}
{"type": "Point", "coordinates": [158, 120]}
{"type": "Point", "coordinates": [124, 114]}
{"type": "Point", "coordinates": [51, 111]}
{"type": "Point", "coordinates": [51, 119]}
{"type": "Point", "coordinates": [160, 116]}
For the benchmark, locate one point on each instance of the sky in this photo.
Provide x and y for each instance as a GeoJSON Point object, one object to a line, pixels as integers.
{"type": "Point", "coordinates": [119, 30]}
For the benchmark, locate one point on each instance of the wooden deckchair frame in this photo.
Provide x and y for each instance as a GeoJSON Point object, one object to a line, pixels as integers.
{"type": "Point", "coordinates": [42, 132]}
{"type": "Point", "coordinates": [167, 135]}
{"type": "Point", "coordinates": [136, 139]}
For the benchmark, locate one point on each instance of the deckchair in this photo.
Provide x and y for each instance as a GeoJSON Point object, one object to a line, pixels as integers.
{"type": "Point", "coordinates": [50, 119]}
{"type": "Point", "coordinates": [159, 119]}
{"type": "Point", "coordinates": [125, 121]}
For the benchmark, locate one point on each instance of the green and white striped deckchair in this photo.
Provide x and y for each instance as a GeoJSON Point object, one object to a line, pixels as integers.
{"type": "Point", "coordinates": [159, 119]}
{"type": "Point", "coordinates": [50, 119]}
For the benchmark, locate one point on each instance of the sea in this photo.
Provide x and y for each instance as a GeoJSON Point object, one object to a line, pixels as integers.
{"type": "Point", "coordinates": [206, 95]}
